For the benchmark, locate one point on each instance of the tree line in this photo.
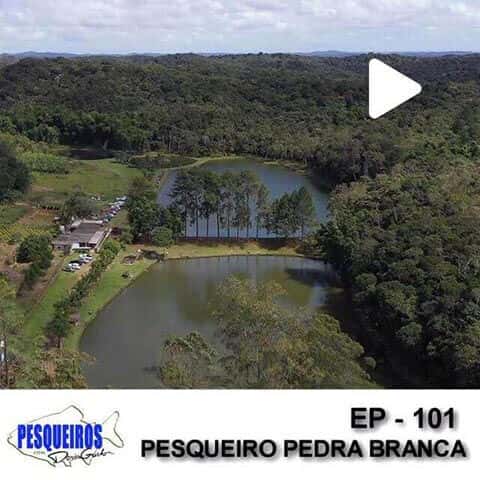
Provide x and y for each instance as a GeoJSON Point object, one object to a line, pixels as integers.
{"type": "Point", "coordinates": [239, 202]}
{"type": "Point", "coordinates": [408, 245]}
{"type": "Point", "coordinates": [61, 324]}
{"type": "Point", "coordinates": [286, 107]}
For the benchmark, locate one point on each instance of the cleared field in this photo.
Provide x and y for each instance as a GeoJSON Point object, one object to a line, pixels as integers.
{"type": "Point", "coordinates": [11, 213]}
{"type": "Point", "coordinates": [16, 232]}
{"type": "Point", "coordinates": [106, 178]}
{"type": "Point", "coordinates": [18, 221]}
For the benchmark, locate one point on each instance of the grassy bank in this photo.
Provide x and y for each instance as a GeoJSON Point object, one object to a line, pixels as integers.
{"type": "Point", "coordinates": [42, 312]}
{"type": "Point", "coordinates": [105, 178]}
{"type": "Point", "coordinates": [112, 282]}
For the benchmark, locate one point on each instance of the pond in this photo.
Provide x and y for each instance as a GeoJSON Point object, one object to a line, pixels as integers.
{"type": "Point", "coordinates": [276, 178]}
{"type": "Point", "coordinates": [173, 298]}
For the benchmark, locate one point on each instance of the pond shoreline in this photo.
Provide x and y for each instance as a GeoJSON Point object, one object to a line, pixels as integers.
{"type": "Point", "coordinates": [121, 276]}
{"type": "Point", "coordinates": [112, 284]}
{"type": "Point", "coordinates": [173, 298]}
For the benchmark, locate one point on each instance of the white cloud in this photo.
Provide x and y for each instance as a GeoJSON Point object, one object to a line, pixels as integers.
{"type": "Point", "coordinates": [231, 25]}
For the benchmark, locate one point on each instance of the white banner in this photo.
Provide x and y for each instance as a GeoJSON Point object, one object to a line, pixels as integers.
{"type": "Point", "coordinates": [311, 431]}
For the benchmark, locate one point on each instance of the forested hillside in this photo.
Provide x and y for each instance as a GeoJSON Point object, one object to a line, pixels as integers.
{"type": "Point", "coordinates": [405, 209]}
{"type": "Point", "coordinates": [276, 106]}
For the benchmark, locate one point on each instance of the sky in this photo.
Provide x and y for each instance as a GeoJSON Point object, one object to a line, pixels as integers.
{"type": "Point", "coordinates": [238, 26]}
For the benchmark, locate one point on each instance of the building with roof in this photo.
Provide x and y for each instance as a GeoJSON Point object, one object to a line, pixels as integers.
{"type": "Point", "coordinates": [83, 235]}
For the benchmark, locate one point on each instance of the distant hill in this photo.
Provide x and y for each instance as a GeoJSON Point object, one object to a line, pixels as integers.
{"type": "Point", "coordinates": [6, 59]}
{"type": "Point", "coordinates": [23, 55]}
{"type": "Point", "coordinates": [331, 53]}
{"type": "Point", "coordinates": [10, 58]}
{"type": "Point", "coordinates": [433, 54]}
{"type": "Point", "coordinates": [340, 54]}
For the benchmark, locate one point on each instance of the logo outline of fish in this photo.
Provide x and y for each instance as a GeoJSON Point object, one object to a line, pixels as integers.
{"type": "Point", "coordinates": [109, 434]}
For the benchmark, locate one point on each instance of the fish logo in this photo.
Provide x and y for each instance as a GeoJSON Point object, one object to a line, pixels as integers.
{"type": "Point", "coordinates": [65, 437]}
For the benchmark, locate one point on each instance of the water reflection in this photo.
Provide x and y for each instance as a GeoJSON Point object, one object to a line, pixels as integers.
{"type": "Point", "coordinates": [173, 298]}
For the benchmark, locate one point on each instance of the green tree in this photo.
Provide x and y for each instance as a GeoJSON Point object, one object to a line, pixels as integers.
{"type": "Point", "coordinates": [60, 326]}
{"type": "Point", "coordinates": [261, 207]}
{"type": "Point", "coordinates": [35, 248]}
{"type": "Point", "coordinates": [267, 345]}
{"type": "Point", "coordinates": [181, 195]}
{"type": "Point", "coordinates": [249, 185]}
{"type": "Point", "coordinates": [282, 220]}
{"type": "Point", "coordinates": [171, 218]}
{"type": "Point", "coordinates": [54, 368]}
{"type": "Point", "coordinates": [143, 210]}
{"type": "Point", "coordinates": [194, 196]}
{"type": "Point", "coordinates": [228, 200]}
{"type": "Point", "coordinates": [77, 205]}
{"type": "Point", "coordinates": [15, 176]}
{"type": "Point", "coordinates": [210, 197]}
{"type": "Point", "coordinates": [241, 210]}
{"type": "Point", "coordinates": [304, 209]}
{"type": "Point", "coordinates": [188, 362]}
{"type": "Point", "coordinates": [162, 237]}
{"type": "Point", "coordinates": [11, 322]}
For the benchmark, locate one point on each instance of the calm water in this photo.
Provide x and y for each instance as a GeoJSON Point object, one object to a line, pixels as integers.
{"type": "Point", "coordinates": [277, 179]}
{"type": "Point", "coordinates": [173, 299]}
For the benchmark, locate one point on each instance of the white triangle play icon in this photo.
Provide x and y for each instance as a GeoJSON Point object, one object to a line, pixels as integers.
{"type": "Point", "coordinates": [388, 89]}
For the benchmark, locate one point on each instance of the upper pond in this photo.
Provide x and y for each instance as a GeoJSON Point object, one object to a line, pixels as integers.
{"type": "Point", "coordinates": [277, 179]}
{"type": "Point", "coordinates": [173, 297]}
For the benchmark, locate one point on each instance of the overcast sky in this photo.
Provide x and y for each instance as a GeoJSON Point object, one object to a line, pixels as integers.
{"type": "Point", "coordinates": [167, 26]}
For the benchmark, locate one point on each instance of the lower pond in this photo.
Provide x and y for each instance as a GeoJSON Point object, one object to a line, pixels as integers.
{"type": "Point", "coordinates": [173, 298]}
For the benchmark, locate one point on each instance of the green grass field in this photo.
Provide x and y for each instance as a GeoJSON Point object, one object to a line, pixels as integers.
{"type": "Point", "coordinates": [11, 213]}
{"type": "Point", "coordinates": [106, 178]}
{"type": "Point", "coordinates": [18, 221]}
{"type": "Point", "coordinates": [42, 313]}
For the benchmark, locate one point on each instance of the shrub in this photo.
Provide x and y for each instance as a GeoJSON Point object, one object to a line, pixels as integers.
{"type": "Point", "coordinates": [35, 248]}
{"type": "Point", "coordinates": [162, 237]}
{"type": "Point", "coordinates": [126, 237]}
{"type": "Point", "coordinates": [46, 163]}
{"type": "Point", "coordinates": [111, 246]}
{"type": "Point", "coordinates": [33, 273]}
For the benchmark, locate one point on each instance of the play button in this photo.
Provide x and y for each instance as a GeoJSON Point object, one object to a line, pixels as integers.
{"type": "Point", "coordinates": [388, 89]}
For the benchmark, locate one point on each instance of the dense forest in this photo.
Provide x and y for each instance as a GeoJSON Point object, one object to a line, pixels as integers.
{"type": "Point", "coordinates": [277, 106]}
{"type": "Point", "coordinates": [405, 198]}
